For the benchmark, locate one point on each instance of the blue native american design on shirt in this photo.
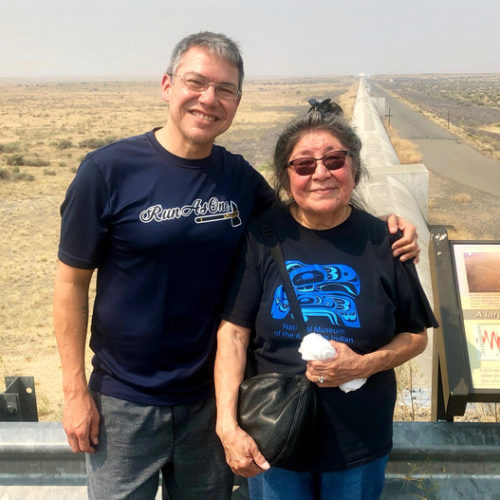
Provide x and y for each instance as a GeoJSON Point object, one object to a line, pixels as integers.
{"type": "Point", "coordinates": [322, 290]}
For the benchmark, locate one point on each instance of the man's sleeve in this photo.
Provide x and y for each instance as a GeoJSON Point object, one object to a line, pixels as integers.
{"type": "Point", "coordinates": [84, 218]}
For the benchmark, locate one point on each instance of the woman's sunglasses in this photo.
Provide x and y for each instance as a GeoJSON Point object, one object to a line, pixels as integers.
{"type": "Point", "coordinates": [333, 160]}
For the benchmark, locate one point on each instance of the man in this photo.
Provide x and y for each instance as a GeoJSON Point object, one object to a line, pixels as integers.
{"type": "Point", "coordinates": [160, 216]}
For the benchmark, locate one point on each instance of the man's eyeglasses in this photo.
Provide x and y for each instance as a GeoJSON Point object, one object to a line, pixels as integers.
{"type": "Point", "coordinates": [198, 83]}
{"type": "Point", "coordinates": [333, 160]}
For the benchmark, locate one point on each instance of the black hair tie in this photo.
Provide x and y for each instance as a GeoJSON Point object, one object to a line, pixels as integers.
{"type": "Point", "coordinates": [325, 107]}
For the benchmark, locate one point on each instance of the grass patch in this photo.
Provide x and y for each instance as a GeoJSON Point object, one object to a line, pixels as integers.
{"type": "Point", "coordinates": [95, 142]}
{"type": "Point", "coordinates": [36, 162]}
{"type": "Point", "coordinates": [15, 174]}
{"type": "Point", "coordinates": [15, 160]}
{"type": "Point", "coordinates": [63, 144]}
{"type": "Point", "coordinates": [462, 198]}
{"type": "Point", "coordinates": [407, 151]}
{"type": "Point", "coordinates": [10, 148]}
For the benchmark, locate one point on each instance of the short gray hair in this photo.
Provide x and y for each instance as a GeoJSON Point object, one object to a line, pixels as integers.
{"type": "Point", "coordinates": [216, 43]}
{"type": "Point", "coordinates": [334, 123]}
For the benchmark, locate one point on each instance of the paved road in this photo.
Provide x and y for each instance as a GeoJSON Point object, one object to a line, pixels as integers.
{"type": "Point", "coordinates": [443, 153]}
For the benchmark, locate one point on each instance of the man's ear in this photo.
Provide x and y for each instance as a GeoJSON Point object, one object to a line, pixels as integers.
{"type": "Point", "coordinates": [166, 86]}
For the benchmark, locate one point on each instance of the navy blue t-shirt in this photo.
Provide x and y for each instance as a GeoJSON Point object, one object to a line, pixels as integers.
{"type": "Point", "coordinates": [162, 231]}
{"type": "Point", "coordinates": [351, 290]}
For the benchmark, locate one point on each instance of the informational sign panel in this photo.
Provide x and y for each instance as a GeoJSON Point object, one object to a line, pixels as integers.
{"type": "Point", "coordinates": [478, 277]}
{"type": "Point", "coordinates": [466, 346]}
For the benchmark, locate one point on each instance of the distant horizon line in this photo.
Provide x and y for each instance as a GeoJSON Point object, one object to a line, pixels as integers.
{"type": "Point", "coordinates": [149, 78]}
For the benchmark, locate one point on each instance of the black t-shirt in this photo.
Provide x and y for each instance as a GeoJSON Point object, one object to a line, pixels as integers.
{"type": "Point", "coordinates": [161, 231]}
{"type": "Point", "coordinates": [351, 290]}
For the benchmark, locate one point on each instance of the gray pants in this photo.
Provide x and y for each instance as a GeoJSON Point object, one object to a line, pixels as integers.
{"type": "Point", "coordinates": [136, 442]}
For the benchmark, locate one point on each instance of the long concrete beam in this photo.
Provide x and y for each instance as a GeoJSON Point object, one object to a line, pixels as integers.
{"type": "Point", "coordinates": [394, 188]}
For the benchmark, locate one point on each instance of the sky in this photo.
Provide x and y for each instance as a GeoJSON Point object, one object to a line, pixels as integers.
{"type": "Point", "coordinates": [95, 39]}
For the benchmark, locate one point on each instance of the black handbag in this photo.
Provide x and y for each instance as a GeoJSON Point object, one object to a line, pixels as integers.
{"type": "Point", "coordinates": [278, 409]}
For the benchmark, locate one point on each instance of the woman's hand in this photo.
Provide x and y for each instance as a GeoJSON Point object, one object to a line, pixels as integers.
{"type": "Point", "coordinates": [242, 453]}
{"type": "Point", "coordinates": [345, 366]}
{"type": "Point", "coordinates": [405, 247]}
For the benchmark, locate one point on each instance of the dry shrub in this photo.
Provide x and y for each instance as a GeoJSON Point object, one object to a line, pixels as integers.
{"type": "Point", "coordinates": [36, 162]}
{"type": "Point", "coordinates": [24, 176]}
{"type": "Point", "coordinates": [63, 144]}
{"type": "Point", "coordinates": [455, 233]}
{"type": "Point", "coordinates": [3, 374]}
{"type": "Point", "coordinates": [96, 142]}
{"type": "Point", "coordinates": [4, 174]}
{"type": "Point", "coordinates": [408, 407]}
{"type": "Point", "coordinates": [15, 160]}
{"type": "Point", "coordinates": [15, 175]}
{"type": "Point", "coordinates": [348, 99]}
{"type": "Point", "coordinates": [10, 148]}
{"type": "Point", "coordinates": [406, 150]}
{"type": "Point", "coordinates": [480, 412]}
{"type": "Point", "coordinates": [462, 198]}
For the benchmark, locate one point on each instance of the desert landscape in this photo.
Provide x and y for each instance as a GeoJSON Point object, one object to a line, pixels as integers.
{"type": "Point", "coordinates": [47, 128]}
{"type": "Point", "coordinates": [469, 107]}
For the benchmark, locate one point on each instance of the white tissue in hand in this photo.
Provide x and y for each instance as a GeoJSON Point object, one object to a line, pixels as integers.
{"type": "Point", "coordinates": [352, 385]}
{"type": "Point", "coordinates": [315, 347]}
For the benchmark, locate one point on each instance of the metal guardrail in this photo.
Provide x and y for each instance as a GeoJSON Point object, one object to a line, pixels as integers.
{"type": "Point", "coordinates": [37, 454]}
{"type": "Point", "coordinates": [430, 460]}
{"type": "Point", "coordinates": [444, 460]}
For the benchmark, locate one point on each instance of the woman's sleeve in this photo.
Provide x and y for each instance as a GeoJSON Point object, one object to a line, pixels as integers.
{"type": "Point", "coordinates": [413, 313]}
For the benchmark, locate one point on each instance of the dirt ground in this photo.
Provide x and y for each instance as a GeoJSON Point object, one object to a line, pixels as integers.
{"type": "Point", "coordinates": [468, 213]}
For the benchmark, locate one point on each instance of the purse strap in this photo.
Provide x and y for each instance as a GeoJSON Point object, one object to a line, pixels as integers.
{"type": "Point", "coordinates": [271, 238]}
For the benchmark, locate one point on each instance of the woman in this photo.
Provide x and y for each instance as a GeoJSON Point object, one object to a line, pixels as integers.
{"type": "Point", "coordinates": [369, 305]}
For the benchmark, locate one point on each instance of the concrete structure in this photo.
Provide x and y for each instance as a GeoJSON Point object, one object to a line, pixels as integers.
{"type": "Point", "coordinates": [394, 188]}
